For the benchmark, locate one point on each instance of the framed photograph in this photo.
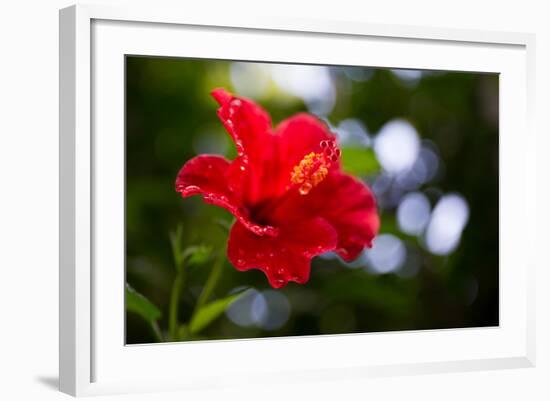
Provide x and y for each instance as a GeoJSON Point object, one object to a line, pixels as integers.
{"type": "Point", "coordinates": [315, 200]}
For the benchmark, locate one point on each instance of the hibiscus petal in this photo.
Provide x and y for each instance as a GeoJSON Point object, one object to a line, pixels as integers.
{"type": "Point", "coordinates": [300, 135]}
{"type": "Point", "coordinates": [296, 137]}
{"type": "Point", "coordinates": [349, 205]}
{"type": "Point", "coordinates": [247, 123]}
{"type": "Point", "coordinates": [346, 203]}
{"type": "Point", "coordinates": [283, 258]}
{"type": "Point", "coordinates": [266, 158]}
{"type": "Point", "coordinates": [250, 127]}
{"type": "Point", "coordinates": [206, 175]}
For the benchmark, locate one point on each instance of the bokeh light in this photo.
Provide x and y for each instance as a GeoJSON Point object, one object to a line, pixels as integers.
{"type": "Point", "coordinates": [313, 84]}
{"type": "Point", "coordinates": [408, 77]}
{"type": "Point", "coordinates": [387, 254]}
{"type": "Point", "coordinates": [413, 213]}
{"type": "Point", "coordinates": [449, 218]}
{"type": "Point", "coordinates": [268, 309]}
{"type": "Point", "coordinates": [396, 146]}
{"type": "Point", "coordinates": [277, 310]}
{"type": "Point", "coordinates": [240, 311]}
{"type": "Point", "coordinates": [352, 132]}
{"type": "Point", "coordinates": [250, 79]}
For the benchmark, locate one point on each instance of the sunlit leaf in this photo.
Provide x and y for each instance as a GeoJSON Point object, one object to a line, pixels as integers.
{"type": "Point", "coordinates": [359, 161]}
{"type": "Point", "coordinates": [209, 312]}
{"type": "Point", "coordinates": [137, 303]}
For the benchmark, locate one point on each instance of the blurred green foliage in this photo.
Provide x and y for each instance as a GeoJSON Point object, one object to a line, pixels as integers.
{"type": "Point", "coordinates": [137, 303]}
{"type": "Point", "coordinates": [209, 312]}
{"type": "Point", "coordinates": [170, 117]}
{"type": "Point", "coordinates": [359, 161]}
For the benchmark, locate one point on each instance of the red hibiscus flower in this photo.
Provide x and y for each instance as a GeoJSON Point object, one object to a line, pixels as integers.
{"type": "Point", "coordinates": [287, 191]}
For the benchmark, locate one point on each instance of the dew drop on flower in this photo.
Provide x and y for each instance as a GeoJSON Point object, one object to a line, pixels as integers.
{"type": "Point", "coordinates": [305, 188]}
{"type": "Point", "coordinates": [240, 262]}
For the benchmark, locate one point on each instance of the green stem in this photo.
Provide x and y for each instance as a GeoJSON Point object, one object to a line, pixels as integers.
{"type": "Point", "coordinates": [175, 240]}
{"type": "Point", "coordinates": [211, 281]}
{"type": "Point", "coordinates": [156, 331]}
{"type": "Point", "coordinates": [174, 305]}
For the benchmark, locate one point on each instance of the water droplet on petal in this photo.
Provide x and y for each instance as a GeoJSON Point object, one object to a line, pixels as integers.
{"type": "Point", "coordinates": [240, 262]}
{"type": "Point", "coordinates": [305, 188]}
{"type": "Point", "coordinates": [279, 282]}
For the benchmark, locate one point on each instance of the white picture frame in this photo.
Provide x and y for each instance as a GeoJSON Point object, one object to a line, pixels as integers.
{"type": "Point", "coordinates": [93, 356]}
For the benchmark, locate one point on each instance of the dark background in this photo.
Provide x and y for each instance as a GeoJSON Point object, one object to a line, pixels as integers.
{"type": "Point", "coordinates": [171, 118]}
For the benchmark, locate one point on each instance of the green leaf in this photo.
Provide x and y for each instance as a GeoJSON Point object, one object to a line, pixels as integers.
{"type": "Point", "coordinates": [209, 312]}
{"type": "Point", "coordinates": [196, 255]}
{"type": "Point", "coordinates": [137, 303]}
{"type": "Point", "coordinates": [359, 161]}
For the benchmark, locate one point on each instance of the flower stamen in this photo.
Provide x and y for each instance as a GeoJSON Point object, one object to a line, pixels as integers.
{"type": "Point", "coordinates": [314, 167]}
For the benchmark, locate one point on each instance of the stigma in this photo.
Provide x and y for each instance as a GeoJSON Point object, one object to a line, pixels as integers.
{"type": "Point", "coordinates": [314, 167]}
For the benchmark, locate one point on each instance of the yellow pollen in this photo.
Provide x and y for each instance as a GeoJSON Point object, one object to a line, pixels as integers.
{"type": "Point", "coordinates": [311, 170]}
